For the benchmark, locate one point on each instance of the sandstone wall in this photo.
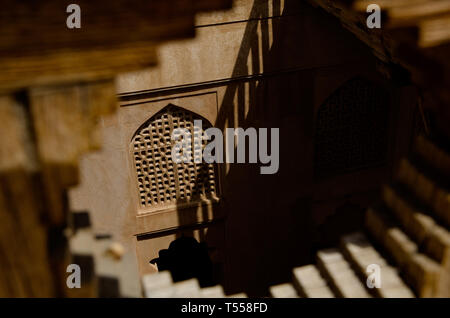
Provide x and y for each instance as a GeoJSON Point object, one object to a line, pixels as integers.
{"type": "Point", "coordinates": [265, 63]}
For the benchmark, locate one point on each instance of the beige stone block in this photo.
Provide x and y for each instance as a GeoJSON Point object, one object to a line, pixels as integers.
{"type": "Point", "coordinates": [330, 255]}
{"type": "Point", "coordinates": [319, 292]}
{"type": "Point", "coordinates": [356, 243]}
{"type": "Point", "coordinates": [82, 243]}
{"type": "Point", "coordinates": [212, 292]}
{"type": "Point", "coordinates": [186, 289]}
{"type": "Point", "coordinates": [336, 268]}
{"type": "Point", "coordinates": [421, 226]}
{"type": "Point", "coordinates": [417, 224]}
{"type": "Point", "coordinates": [400, 246]}
{"type": "Point", "coordinates": [390, 278]}
{"type": "Point", "coordinates": [340, 275]}
{"type": "Point", "coordinates": [283, 291]}
{"type": "Point", "coordinates": [392, 284]}
{"type": "Point", "coordinates": [350, 286]}
{"type": "Point", "coordinates": [423, 274]}
{"type": "Point", "coordinates": [360, 253]}
{"type": "Point", "coordinates": [308, 277]}
{"type": "Point", "coordinates": [362, 261]}
{"type": "Point", "coordinates": [157, 285]}
{"type": "Point", "coordinates": [443, 288]}
{"type": "Point", "coordinates": [438, 246]}
{"type": "Point", "coordinates": [397, 292]}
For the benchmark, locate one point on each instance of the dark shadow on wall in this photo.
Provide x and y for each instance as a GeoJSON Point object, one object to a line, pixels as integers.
{"type": "Point", "coordinates": [184, 259]}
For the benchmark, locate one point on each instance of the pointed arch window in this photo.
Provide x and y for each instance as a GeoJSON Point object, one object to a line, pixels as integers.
{"type": "Point", "coordinates": [352, 129]}
{"type": "Point", "coordinates": [161, 182]}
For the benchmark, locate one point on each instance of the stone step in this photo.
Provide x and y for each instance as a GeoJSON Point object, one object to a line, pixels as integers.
{"type": "Point", "coordinates": [212, 292]}
{"type": "Point", "coordinates": [361, 254]}
{"type": "Point", "coordinates": [160, 285]}
{"type": "Point", "coordinates": [390, 236]}
{"type": "Point", "coordinates": [425, 185]}
{"type": "Point", "coordinates": [411, 215]}
{"type": "Point", "coordinates": [434, 238]}
{"type": "Point", "coordinates": [437, 246]}
{"type": "Point", "coordinates": [283, 291]}
{"type": "Point", "coordinates": [309, 283]}
{"type": "Point", "coordinates": [186, 289]}
{"type": "Point", "coordinates": [421, 272]}
{"type": "Point", "coordinates": [157, 285]}
{"type": "Point", "coordinates": [423, 275]}
{"type": "Point", "coordinates": [341, 277]}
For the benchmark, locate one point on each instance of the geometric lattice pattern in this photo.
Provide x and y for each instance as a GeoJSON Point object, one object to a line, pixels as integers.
{"type": "Point", "coordinates": [351, 129]}
{"type": "Point", "coordinates": [161, 181]}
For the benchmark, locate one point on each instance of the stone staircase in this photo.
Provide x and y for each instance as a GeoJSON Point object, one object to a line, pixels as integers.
{"type": "Point", "coordinates": [410, 234]}
{"type": "Point", "coordinates": [160, 285]}
{"type": "Point", "coordinates": [341, 272]}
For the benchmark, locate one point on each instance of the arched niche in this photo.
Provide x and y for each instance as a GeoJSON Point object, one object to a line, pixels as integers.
{"type": "Point", "coordinates": [160, 182]}
{"type": "Point", "coordinates": [351, 129]}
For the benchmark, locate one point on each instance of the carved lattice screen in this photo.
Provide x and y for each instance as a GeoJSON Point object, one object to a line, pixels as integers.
{"type": "Point", "coordinates": [161, 181]}
{"type": "Point", "coordinates": [351, 129]}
